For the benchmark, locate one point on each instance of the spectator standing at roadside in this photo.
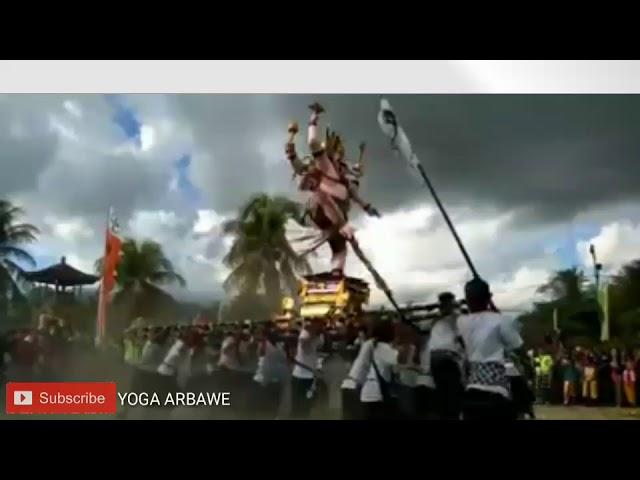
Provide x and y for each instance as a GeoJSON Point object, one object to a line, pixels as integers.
{"type": "Point", "coordinates": [617, 368]}
{"type": "Point", "coordinates": [544, 374]}
{"type": "Point", "coordinates": [590, 382]}
{"type": "Point", "coordinates": [570, 381]}
{"type": "Point", "coordinates": [629, 383]}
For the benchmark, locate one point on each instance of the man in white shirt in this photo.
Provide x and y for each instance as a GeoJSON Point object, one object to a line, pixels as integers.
{"type": "Point", "coordinates": [310, 341]}
{"type": "Point", "coordinates": [376, 394]}
{"type": "Point", "coordinates": [446, 360]}
{"type": "Point", "coordinates": [486, 335]}
{"type": "Point", "coordinates": [425, 389]}
{"type": "Point", "coordinates": [271, 372]}
{"type": "Point", "coordinates": [350, 389]}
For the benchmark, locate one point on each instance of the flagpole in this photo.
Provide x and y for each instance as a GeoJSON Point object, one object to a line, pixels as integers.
{"type": "Point", "coordinates": [444, 213]}
{"type": "Point", "coordinates": [400, 143]}
{"type": "Point", "coordinates": [102, 311]}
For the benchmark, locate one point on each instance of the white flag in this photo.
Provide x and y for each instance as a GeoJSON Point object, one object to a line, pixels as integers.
{"type": "Point", "coordinates": [392, 129]}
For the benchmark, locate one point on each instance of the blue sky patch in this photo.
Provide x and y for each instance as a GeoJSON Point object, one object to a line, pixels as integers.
{"type": "Point", "coordinates": [185, 186]}
{"type": "Point", "coordinates": [125, 118]}
{"type": "Point", "coordinates": [566, 247]}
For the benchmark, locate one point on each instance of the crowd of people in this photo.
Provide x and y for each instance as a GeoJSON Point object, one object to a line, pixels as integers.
{"type": "Point", "coordinates": [460, 365]}
{"type": "Point", "coordinates": [41, 353]}
{"type": "Point", "coordinates": [583, 376]}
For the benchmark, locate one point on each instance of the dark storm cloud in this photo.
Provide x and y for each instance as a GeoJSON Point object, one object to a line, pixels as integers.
{"type": "Point", "coordinates": [27, 146]}
{"type": "Point", "coordinates": [61, 163]}
{"type": "Point", "coordinates": [549, 156]}
{"type": "Point", "coordinates": [120, 181]}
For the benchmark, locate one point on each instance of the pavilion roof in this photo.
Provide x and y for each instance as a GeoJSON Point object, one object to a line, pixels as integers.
{"type": "Point", "coordinates": [61, 274]}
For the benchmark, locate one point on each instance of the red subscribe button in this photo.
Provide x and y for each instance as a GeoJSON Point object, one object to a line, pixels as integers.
{"type": "Point", "coordinates": [61, 398]}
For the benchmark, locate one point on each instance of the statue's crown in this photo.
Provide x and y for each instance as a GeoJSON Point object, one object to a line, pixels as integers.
{"type": "Point", "coordinates": [333, 143]}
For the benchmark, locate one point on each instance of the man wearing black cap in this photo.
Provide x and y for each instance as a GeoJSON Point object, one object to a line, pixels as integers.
{"type": "Point", "coordinates": [486, 335]}
{"type": "Point", "coordinates": [447, 356]}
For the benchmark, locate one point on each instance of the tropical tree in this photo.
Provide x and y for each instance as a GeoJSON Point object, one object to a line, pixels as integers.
{"type": "Point", "coordinates": [565, 285]}
{"type": "Point", "coordinates": [13, 235]}
{"type": "Point", "coordinates": [626, 287]}
{"type": "Point", "coordinates": [261, 258]}
{"type": "Point", "coordinates": [624, 300]}
{"type": "Point", "coordinates": [142, 270]}
{"type": "Point", "coordinates": [572, 300]}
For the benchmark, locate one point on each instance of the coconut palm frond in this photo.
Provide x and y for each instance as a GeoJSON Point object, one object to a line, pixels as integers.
{"type": "Point", "coordinates": [7, 251]}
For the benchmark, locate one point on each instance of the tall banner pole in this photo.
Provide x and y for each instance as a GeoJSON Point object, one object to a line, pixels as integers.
{"type": "Point", "coordinates": [400, 144]}
{"type": "Point", "coordinates": [603, 297]}
{"type": "Point", "coordinates": [101, 317]}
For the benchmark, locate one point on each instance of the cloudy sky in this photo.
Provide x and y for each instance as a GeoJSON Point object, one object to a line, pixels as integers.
{"type": "Point", "coordinates": [530, 180]}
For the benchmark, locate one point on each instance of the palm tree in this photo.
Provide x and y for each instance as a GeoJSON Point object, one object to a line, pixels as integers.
{"type": "Point", "coordinates": [565, 285]}
{"type": "Point", "coordinates": [575, 305]}
{"type": "Point", "coordinates": [142, 269]}
{"type": "Point", "coordinates": [261, 256]}
{"type": "Point", "coordinates": [12, 236]}
{"type": "Point", "coordinates": [624, 299]}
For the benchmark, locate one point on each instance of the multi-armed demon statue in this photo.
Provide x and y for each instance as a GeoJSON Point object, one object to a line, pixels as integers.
{"type": "Point", "coordinates": [332, 184]}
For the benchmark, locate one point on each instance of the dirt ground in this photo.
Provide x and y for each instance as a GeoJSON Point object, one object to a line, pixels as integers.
{"type": "Point", "coordinates": [548, 412]}
{"type": "Point", "coordinates": [335, 372]}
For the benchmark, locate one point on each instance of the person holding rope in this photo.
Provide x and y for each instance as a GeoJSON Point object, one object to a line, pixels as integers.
{"type": "Point", "coordinates": [486, 336]}
{"type": "Point", "coordinates": [305, 363]}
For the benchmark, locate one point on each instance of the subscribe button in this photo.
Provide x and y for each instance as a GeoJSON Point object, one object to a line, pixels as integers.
{"type": "Point", "coordinates": [61, 398]}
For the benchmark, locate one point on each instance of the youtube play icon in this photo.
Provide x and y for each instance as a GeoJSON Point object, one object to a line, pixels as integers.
{"type": "Point", "coordinates": [23, 397]}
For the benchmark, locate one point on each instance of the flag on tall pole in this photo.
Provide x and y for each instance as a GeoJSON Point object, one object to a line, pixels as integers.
{"type": "Point", "coordinates": [110, 261]}
{"type": "Point", "coordinates": [603, 301]}
{"type": "Point", "coordinates": [400, 144]}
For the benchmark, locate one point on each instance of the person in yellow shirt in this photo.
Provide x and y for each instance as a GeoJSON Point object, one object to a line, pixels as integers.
{"type": "Point", "coordinates": [543, 377]}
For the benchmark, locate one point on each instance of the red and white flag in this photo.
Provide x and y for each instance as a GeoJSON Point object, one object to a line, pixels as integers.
{"type": "Point", "coordinates": [113, 245]}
